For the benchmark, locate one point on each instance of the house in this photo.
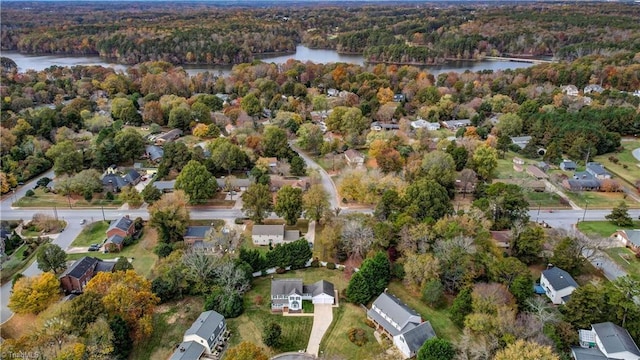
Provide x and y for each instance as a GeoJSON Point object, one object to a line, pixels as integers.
{"type": "Point", "coordinates": [196, 233]}
{"type": "Point", "coordinates": [168, 136]}
{"type": "Point", "coordinates": [206, 335]}
{"type": "Point", "coordinates": [588, 184]}
{"type": "Point", "coordinates": [630, 238]}
{"type": "Point", "coordinates": [424, 124]}
{"type": "Point", "coordinates": [287, 294]}
{"type": "Point", "coordinates": [114, 243]}
{"type": "Point", "coordinates": [521, 141]}
{"type": "Point", "coordinates": [400, 323]}
{"type": "Point", "coordinates": [570, 90]}
{"type": "Point", "coordinates": [536, 172]}
{"type": "Point", "coordinates": [593, 88]}
{"type": "Point", "coordinates": [277, 182]}
{"type": "Point", "coordinates": [558, 284]}
{"type": "Point", "coordinates": [154, 153]}
{"type": "Point", "coordinates": [456, 124]}
{"type": "Point", "coordinates": [112, 183]}
{"type": "Point", "coordinates": [122, 226]}
{"type": "Point", "coordinates": [605, 341]}
{"type": "Point", "coordinates": [273, 234]}
{"type": "Point", "coordinates": [234, 183]}
{"type": "Point", "coordinates": [502, 239]}
{"type": "Point", "coordinates": [332, 92]}
{"type": "Point", "coordinates": [568, 165]}
{"type": "Point", "coordinates": [543, 166]}
{"type": "Point", "coordinates": [354, 158]}
{"type": "Point", "coordinates": [597, 170]}
{"type": "Point", "coordinates": [164, 186]}
{"type": "Point", "coordinates": [398, 97]}
{"type": "Point", "coordinates": [378, 126]}
{"type": "Point", "coordinates": [132, 177]}
{"type": "Point", "coordinates": [76, 276]}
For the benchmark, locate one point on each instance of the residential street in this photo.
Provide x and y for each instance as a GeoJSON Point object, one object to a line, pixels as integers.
{"type": "Point", "coordinates": [327, 182]}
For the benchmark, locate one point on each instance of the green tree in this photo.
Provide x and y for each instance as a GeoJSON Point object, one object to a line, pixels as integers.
{"type": "Point", "coordinates": [170, 216]}
{"type": "Point", "coordinates": [122, 264]}
{"type": "Point", "coordinates": [32, 295]}
{"type": "Point", "coordinates": [427, 199]}
{"type": "Point", "coordinates": [271, 335]}
{"type": "Point", "coordinates": [196, 182]}
{"type": "Point", "coordinates": [227, 156]}
{"type": "Point", "coordinates": [274, 142]}
{"type": "Point", "coordinates": [130, 195]}
{"type": "Point", "coordinates": [251, 105]}
{"type": "Point", "coordinates": [201, 113]}
{"type": "Point", "coordinates": [567, 255]}
{"type": "Point", "coordinates": [298, 166]}
{"type": "Point", "coordinates": [99, 340]}
{"type": "Point", "coordinates": [506, 205]}
{"type": "Point", "coordinates": [503, 144]}
{"type": "Point", "coordinates": [433, 293]}
{"type": "Point", "coordinates": [289, 204]}
{"type": "Point", "coordinates": [461, 307]}
{"type": "Point", "coordinates": [587, 305]}
{"type": "Point", "coordinates": [620, 215]}
{"type": "Point", "coordinates": [485, 161]}
{"type": "Point", "coordinates": [310, 137]}
{"type": "Point", "coordinates": [440, 167]}
{"type": "Point", "coordinates": [122, 342]}
{"type": "Point", "coordinates": [509, 124]}
{"type": "Point", "coordinates": [227, 303]}
{"type": "Point", "coordinates": [358, 291]}
{"type": "Point", "coordinates": [436, 349]}
{"type": "Point", "coordinates": [180, 118]}
{"type": "Point", "coordinates": [66, 158]}
{"type": "Point", "coordinates": [623, 294]}
{"type": "Point", "coordinates": [257, 202]}
{"type": "Point", "coordinates": [84, 310]}
{"type": "Point", "coordinates": [150, 194]}
{"type": "Point", "coordinates": [51, 257]}
{"type": "Point", "coordinates": [553, 154]}
{"type": "Point", "coordinates": [123, 109]}
{"type": "Point", "coordinates": [527, 245]}
{"type": "Point", "coordinates": [315, 202]}
{"type": "Point", "coordinates": [131, 144]}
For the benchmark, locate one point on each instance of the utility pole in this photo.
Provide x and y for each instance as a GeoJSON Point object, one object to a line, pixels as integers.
{"type": "Point", "coordinates": [103, 217]}
{"type": "Point", "coordinates": [585, 209]}
{"type": "Point", "coordinates": [538, 215]}
{"type": "Point", "coordinates": [55, 212]}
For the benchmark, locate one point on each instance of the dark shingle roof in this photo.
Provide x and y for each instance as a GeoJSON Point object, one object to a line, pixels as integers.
{"type": "Point", "coordinates": [80, 267]}
{"type": "Point", "coordinates": [395, 309]}
{"type": "Point", "coordinates": [615, 338]}
{"type": "Point", "coordinates": [188, 350]}
{"type": "Point", "coordinates": [559, 278]}
{"type": "Point", "coordinates": [286, 287]}
{"type": "Point", "coordinates": [418, 335]}
{"type": "Point", "coordinates": [320, 287]}
{"type": "Point", "coordinates": [207, 324]}
{"type": "Point", "coordinates": [580, 353]}
{"type": "Point", "coordinates": [197, 231]}
{"type": "Point", "coordinates": [131, 176]}
{"type": "Point", "coordinates": [164, 185]}
{"type": "Point", "coordinates": [122, 223]}
{"type": "Point", "coordinates": [115, 239]}
{"type": "Point", "coordinates": [105, 266]}
{"type": "Point", "coordinates": [113, 180]}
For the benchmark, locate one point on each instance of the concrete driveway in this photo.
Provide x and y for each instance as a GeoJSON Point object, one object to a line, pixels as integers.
{"type": "Point", "coordinates": [322, 318]}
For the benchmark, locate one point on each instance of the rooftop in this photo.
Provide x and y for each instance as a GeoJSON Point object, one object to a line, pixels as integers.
{"type": "Point", "coordinates": [268, 230]}
{"type": "Point", "coordinates": [559, 278]}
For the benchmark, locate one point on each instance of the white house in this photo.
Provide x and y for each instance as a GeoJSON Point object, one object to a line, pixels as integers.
{"type": "Point", "coordinates": [400, 323]}
{"type": "Point", "coordinates": [354, 157]}
{"type": "Point", "coordinates": [629, 238]}
{"type": "Point", "coordinates": [273, 234]}
{"type": "Point", "coordinates": [605, 341]}
{"type": "Point", "coordinates": [593, 88]}
{"type": "Point", "coordinates": [205, 336]}
{"type": "Point", "coordinates": [557, 284]}
{"type": "Point", "coordinates": [288, 294]}
{"type": "Point", "coordinates": [424, 124]}
{"type": "Point", "coordinates": [570, 90]}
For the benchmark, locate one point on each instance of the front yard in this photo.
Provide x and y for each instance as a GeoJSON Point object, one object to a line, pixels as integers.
{"type": "Point", "coordinates": [626, 259]}
{"type": "Point", "coordinates": [602, 228]}
{"type": "Point", "coordinates": [625, 158]}
{"type": "Point", "coordinates": [336, 340]}
{"type": "Point", "coordinates": [49, 199]}
{"type": "Point", "coordinates": [93, 233]}
{"type": "Point", "coordinates": [599, 200]}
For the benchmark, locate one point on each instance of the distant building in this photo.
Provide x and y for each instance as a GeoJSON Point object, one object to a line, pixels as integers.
{"type": "Point", "coordinates": [521, 141]}
{"type": "Point", "coordinates": [154, 153]}
{"type": "Point", "coordinates": [168, 136]}
{"type": "Point", "coordinates": [196, 233]}
{"type": "Point", "coordinates": [164, 186]}
{"type": "Point", "coordinates": [568, 165]}
{"type": "Point", "coordinates": [378, 126]}
{"type": "Point", "coordinates": [570, 90]}
{"type": "Point", "coordinates": [354, 158]}
{"type": "Point", "coordinates": [593, 88]}
{"type": "Point", "coordinates": [605, 341]}
{"type": "Point", "coordinates": [424, 124]}
{"type": "Point", "coordinates": [598, 171]}
{"type": "Point", "coordinates": [455, 124]}
{"type": "Point", "coordinates": [536, 172]}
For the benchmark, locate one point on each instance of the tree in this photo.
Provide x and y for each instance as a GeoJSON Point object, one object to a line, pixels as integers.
{"type": "Point", "coordinates": [436, 349]}
{"type": "Point", "coordinates": [51, 257]}
{"type": "Point", "coordinates": [420, 269]}
{"type": "Point", "coordinates": [298, 166]}
{"type": "Point", "coordinates": [227, 156]}
{"type": "Point", "coordinates": [246, 351]}
{"type": "Point", "coordinates": [196, 182]}
{"type": "Point", "coordinates": [506, 205]}
{"type": "Point", "coordinates": [274, 142]}
{"type": "Point", "coordinates": [433, 293]}
{"type": "Point", "coordinates": [66, 158]}
{"type": "Point", "coordinates": [122, 342]}
{"type": "Point", "coordinates": [180, 117]}
{"type": "Point", "coordinates": [227, 303]}
{"type": "Point", "coordinates": [257, 202]}
{"type": "Point", "coordinates": [124, 109]}
{"type": "Point", "coordinates": [310, 137]}
{"type": "Point", "coordinates": [620, 215]}
{"type": "Point", "coordinates": [32, 295]}
{"type": "Point", "coordinates": [527, 245]}
{"type": "Point", "coordinates": [568, 255]}
{"type": "Point", "coordinates": [526, 350]}
{"type": "Point", "coordinates": [170, 216]}
{"type": "Point", "coordinates": [84, 310]}
{"type": "Point", "coordinates": [271, 335]}
{"type": "Point", "coordinates": [289, 204]}
{"type": "Point", "coordinates": [461, 307]}
{"type": "Point", "coordinates": [440, 167]}
{"type": "Point", "coordinates": [122, 264]}
{"type": "Point", "coordinates": [509, 124]}
{"type": "Point", "coordinates": [131, 196]}
{"type": "Point", "coordinates": [251, 105]}
{"type": "Point", "coordinates": [315, 202]}
{"type": "Point", "coordinates": [389, 161]}
{"type": "Point", "coordinates": [99, 340]}
{"type": "Point", "coordinates": [356, 237]}
{"type": "Point", "coordinates": [130, 144]}
{"type": "Point", "coordinates": [485, 161]}
{"type": "Point", "coordinates": [427, 199]}
{"type": "Point", "coordinates": [587, 305]}
{"type": "Point", "coordinates": [503, 144]}
{"type": "Point", "coordinates": [358, 291]}
{"type": "Point", "coordinates": [150, 194]}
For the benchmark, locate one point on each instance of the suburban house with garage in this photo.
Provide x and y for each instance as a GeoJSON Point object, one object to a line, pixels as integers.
{"type": "Point", "coordinates": [598, 171]}
{"type": "Point", "coordinates": [557, 284]}
{"type": "Point", "coordinates": [171, 135]}
{"type": "Point", "coordinates": [287, 294]}
{"type": "Point", "coordinates": [154, 153]}
{"type": "Point", "coordinates": [424, 124]}
{"type": "Point", "coordinates": [400, 323]}
{"type": "Point", "coordinates": [117, 231]}
{"type": "Point", "coordinates": [206, 336]}
{"type": "Point", "coordinates": [165, 186]}
{"type": "Point", "coordinates": [605, 341]}
{"type": "Point", "coordinates": [76, 276]}
{"type": "Point", "coordinates": [354, 158]}
{"type": "Point", "coordinates": [112, 181]}
{"type": "Point", "coordinates": [273, 234]}
{"type": "Point", "coordinates": [629, 238]}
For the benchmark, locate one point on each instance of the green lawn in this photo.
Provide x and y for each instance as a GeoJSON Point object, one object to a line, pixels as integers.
{"type": "Point", "coordinates": [505, 167]}
{"type": "Point", "coordinates": [15, 262]}
{"type": "Point", "coordinates": [93, 233]}
{"type": "Point", "coordinates": [625, 157]}
{"type": "Point", "coordinates": [42, 199]}
{"type": "Point", "coordinates": [599, 200]}
{"type": "Point", "coordinates": [544, 200]}
{"type": "Point", "coordinates": [626, 259]}
{"type": "Point", "coordinates": [602, 228]}
{"type": "Point", "coordinates": [336, 341]}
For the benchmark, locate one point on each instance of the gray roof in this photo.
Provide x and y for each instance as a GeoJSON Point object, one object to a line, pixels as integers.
{"type": "Point", "coordinates": [319, 288]}
{"type": "Point", "coordinates": [123, 223]}
{"type": "Point", "coordinates": [286, 287]}
{"type": "Point", "coordinates": [80, 267]}
{"type": "Point", "coordinates": [583, 184]}
{"type": "Point", "coordinates": [387, 126]}
{"type": "Point", "coordinates": [131, 176]}
{"type": "Point", "coordinates": [418, 335]}
{"type": "Point", "coordinates": [154, 152]}
{"type": "Point", "coordinates": [559, 278]}
{"type": "Point", "coordinates": [596, 168]}
{"type": "Point", "coordinates": [580, 353]}
{"type": "Point", "coordinates": [115, 239]}
{"type": "Point", "coordinates": [457, 123]}
{"type": "Point", "coordinates": [396, 310]}
{"type": "Point", "coordinates": [197, 231]}
{"type": "Point", "coordinates": [164, 185]}
{"type": "Point", "coordinates": [568, 164]}
{"type": "Point", "coordinates": [521, 141]}
{"type": "Point", "coordinates": [170, 135]}
{"type": "Point", "coordinates": [270, 230]}
{"type": "Point", "coordinates": [235, 182]}
{"type": "Point", "coordinates": [113, 180]}
{"type": "Point", "coordinates": [105, 266]}
{"type": "Point", "coordinates": [207, 324]}
{"type": "Point", "coordinates": [633, 236]}
{"type": "Point", "coordinates": [615, 339]}
{"type": "Point", "coordinates": [291, 235]}
{"type": "Point", "coordinates": [189, 350]}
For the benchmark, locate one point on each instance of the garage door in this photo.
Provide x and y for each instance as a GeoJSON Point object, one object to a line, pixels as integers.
{"type": "Point", "coordinates": [323, 299]}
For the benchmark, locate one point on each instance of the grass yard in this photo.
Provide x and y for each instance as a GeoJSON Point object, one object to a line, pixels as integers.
{"type": "Point", "coordinates": [42, 199]}
{"type": "Point", "coordinates": [626, 259]}
{"type": "Point", "coordinates": [602, 228]}
{"type": "Point", "coordinates": [505, 167]}
{"type": "Point", "coordinates": [439, 319]}
{"type": "Point", "coordinates": [625, 157]}
{"type": "Point", "coordinates": [170, 321]}
{"type": "Point", "coordinates": [93, 233]}
{"type": "Point", "coordinates": [141, 252]}
{"type": "Point", "coordinates": [336, 340]}
{"type": "Point", "coordinates": [544, 200]}
{"type": "Point", "coordinates": [599, 200]}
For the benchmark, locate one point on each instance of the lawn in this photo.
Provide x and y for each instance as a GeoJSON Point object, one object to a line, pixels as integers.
{"type": "Point", "coordinates": [505, 167]}
{"type": "Point", "coordinates": [599, 200]}
{"type": "Point", "coordinates": [170, 321]}
{"type": "Point", "coordinates": [625, 157]}
{"type": "Point", "coordinates": [93, 233]}
{"type": "Point", "coordinates": [626, 259]}
{"type": "Point", "coordinates": [602, 228]}
{"type": "Point", "coordinates": [141, 253]}
{"type": "Point", "coordinates": [15, 263]}
{"type": "Point", "coordinates": [42, 199]}
{"type": "Point", "coordinates": [544, 200]}
{"type": "Point", "coordinates": [336, 341]}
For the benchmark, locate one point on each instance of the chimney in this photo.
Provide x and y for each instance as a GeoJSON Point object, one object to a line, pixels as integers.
{"type": "Point", "coordinates": [549, 266]}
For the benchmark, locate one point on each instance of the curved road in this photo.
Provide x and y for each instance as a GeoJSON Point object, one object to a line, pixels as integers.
{"type": "Point", "coordinates": [327, 182]}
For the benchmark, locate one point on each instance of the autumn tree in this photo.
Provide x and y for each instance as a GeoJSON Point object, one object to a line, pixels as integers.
{"type": "Point", "coordinates": [32, 295]}
{"type": "Point", "coordinates": [257, 202]}
{"type": "Point", "coordinates": [620, 215]}
{"type": "Point", "coordinates": [527, 245]}
{"type": "Point", "coordinates": [485, 161]}
{"type": "Point", "coordinates": [170, 216]}
{"type": "Point", "coordinates": [196, 182]}
{"type": "Point", "coordinates": [251, 105]}
{"type": "Point", "coordinates": [52, 258]}
{"type": "Point", "coordinates": [130, 195]}
{"type": "Point", "coordinates": [246, 351]}
{"type": "Point", "coordinates": [526, 350]}
{"type": "Point", "coordinates": [315, 202]}
{"type": "Point", "coordinates": [310, 138]}
{"type": "Point", "coordinates": [151, 194]}
{"type": "Point", "coordinates": [289, 204]}
{"type": "Point", "coordinates": [99, 339]}
{"type": "Point", "coordinates": [420, 268]}
{"type": "Point", "coordinates": [127, 295]}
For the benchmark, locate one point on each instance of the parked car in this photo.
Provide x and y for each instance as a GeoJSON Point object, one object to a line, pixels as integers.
{"type": "Point", "coordinates": [94, 247]}
{"type": "Point", "coordinates": [83, 221]}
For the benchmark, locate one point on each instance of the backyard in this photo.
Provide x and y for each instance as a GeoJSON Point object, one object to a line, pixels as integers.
{"type": "Point", "coordinates": [624, 158]}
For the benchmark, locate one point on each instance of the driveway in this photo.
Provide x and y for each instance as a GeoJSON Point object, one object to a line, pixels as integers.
{"type": "Point", "coordinates": [322, 318]}
{"type": "Point", "coordinates": [327, 182]}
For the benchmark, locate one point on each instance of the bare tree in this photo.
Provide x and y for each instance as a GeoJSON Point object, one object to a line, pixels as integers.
{"type": "Point", "coordinates": [357, 238]}
{"type": "Point", "coordinates": [468, 179]}
{"type": "Point", "coordinates": [589, 247]}
{"type": "Point", "coordinates": [231, 278]}
{"type": "Point", "coordinates": [225, 240]}
{"type": "Point", "coordinates": [542, 311]}
{"type": "Point", "coordinates": [200, 267]}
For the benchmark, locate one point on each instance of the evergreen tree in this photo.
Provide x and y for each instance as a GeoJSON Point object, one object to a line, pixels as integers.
{"type": "Point", "coordinates": [620, 215]}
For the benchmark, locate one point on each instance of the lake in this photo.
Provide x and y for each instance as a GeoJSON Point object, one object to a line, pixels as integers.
{"type": "Point", "coordinates": [303, 53]}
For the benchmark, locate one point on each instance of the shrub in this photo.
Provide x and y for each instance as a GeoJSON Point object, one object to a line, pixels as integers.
{"type": "Point", "coordinates": [239, 221]}
{"type": "Point", "coordinates": [29, 193]}
{"type": "Point", "coordinates": [315, 263]}
{"type": "Point", "coordinates": [625, 166]}
{"type": "Point", "coordinates": [258, 300]}
{"type": "Point", "coordinates": [370, 323]}
{"type": "Point", "coordinates": [280, 270]}
{"type": "Point", "coordinates": [357, 336]}
{"type": "Point", "coordinates": [109, 196]}
{"type": "Point", "coordinates": [331, 266]}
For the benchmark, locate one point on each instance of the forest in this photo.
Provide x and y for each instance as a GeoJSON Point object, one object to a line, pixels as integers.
{"type": "Point", "coordinates": [405, 33]}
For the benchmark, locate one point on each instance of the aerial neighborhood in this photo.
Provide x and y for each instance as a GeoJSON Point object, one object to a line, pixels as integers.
{"type": "Point", "coordinates": [458, 182]}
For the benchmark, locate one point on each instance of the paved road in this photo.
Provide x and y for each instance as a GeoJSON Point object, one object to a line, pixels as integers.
{"type": "Point", "coordinates": [327, 182]}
